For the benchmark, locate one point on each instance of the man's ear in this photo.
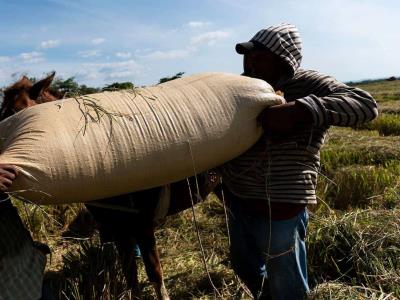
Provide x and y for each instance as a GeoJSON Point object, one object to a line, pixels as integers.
{"type": "Point", "coordinates": [39, 87]}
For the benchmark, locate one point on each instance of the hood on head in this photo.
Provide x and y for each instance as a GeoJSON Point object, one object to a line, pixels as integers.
{"type": "Point", "coordinates": [283, 40]}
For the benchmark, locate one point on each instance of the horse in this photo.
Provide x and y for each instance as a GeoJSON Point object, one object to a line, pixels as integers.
{"type": "Point", "coordinates": [128, 218]}
{"type": "Point", "coordinates": [24, 93]}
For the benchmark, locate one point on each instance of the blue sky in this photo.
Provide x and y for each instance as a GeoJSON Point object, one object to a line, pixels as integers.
{"type": "Point", "coordinates": [101, 42]}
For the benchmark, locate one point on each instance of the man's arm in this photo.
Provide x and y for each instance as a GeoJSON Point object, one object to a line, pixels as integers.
{"type": "Point", "coordinates": [284, 118]}
{"type": "Point", "coordinates": [333, 103]}
{"type": "Point", "coordinates": [319, 100]}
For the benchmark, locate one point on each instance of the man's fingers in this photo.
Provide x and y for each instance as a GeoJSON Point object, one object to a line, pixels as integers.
{"type": "Point", "coordinates": [10, 168]}
{"type": "Point", "coordinates": [7, 174]}
{"type": "Point", "coordinates": [3, 188]}
{"type": "Point", "coordinates": [7, 182]}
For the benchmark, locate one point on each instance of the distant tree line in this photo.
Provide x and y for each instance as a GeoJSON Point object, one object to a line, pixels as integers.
{"type": "Point", "coordinates": [176, 76]}
{"type": "Point", "coordinates": [391, 78]}
{"type": "Point", "coordinates": [70, 86]}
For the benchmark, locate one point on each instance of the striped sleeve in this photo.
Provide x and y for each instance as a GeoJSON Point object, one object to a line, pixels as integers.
{"type": "Point", "coordinates": [332, 102]}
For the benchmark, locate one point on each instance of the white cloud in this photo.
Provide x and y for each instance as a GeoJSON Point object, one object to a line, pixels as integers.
{"type": "Point", "coordinates": [128, 63]}
{"type": "Point", "coordinates": [209, 38]}
{"type": "Point", "coordinates": [4, 59]}
{"type": "Point", "coordinates": [122, 74]}
{"type": "Point", "coordinates": [89, 53]}
{"type": "Point", "coordinates": [32, 57]}
{"type": "Point", "coordinates": [110, 70]}
{"type": "Point", "coordinates": [171, 54]}
{"type": "Point", "coordinates": [98, 41]}
{"type": "Point", "coordinates": [5, 77]}
{"type": "Point", "coordinates": [197, 24]}
{"type": "Point", "coordinates": [49, 44]}
{"type": "Point", "coordinates": [142, 52]}
{"type": "Point", "coordinates": [87, 75]}
{"type": "Point", "coordinates": [123, 55]}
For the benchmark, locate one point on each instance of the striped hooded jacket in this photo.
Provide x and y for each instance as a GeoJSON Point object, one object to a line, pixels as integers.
{"type": "Point", "coordinates": [285, 170]}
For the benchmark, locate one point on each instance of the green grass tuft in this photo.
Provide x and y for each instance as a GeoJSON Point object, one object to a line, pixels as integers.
{"type": "Point", "coordinates": [385, 124]}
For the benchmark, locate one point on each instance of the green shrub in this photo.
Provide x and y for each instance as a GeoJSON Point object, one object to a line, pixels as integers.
{"type": "Point", "coordinates": [385, 124]}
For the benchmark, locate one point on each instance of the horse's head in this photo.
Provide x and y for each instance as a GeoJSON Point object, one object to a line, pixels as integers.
{"type": "Point", "coordinates": [24, 93]}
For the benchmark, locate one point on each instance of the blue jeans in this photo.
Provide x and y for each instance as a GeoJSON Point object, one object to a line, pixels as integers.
{"type": "Point", "coordinates": [136, 250]}
{"type": "Point", "coordinates": [271, 249]}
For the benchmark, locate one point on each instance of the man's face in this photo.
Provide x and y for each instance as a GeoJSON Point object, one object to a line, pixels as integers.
{"type": "Point", "coordinates": [263, 64]}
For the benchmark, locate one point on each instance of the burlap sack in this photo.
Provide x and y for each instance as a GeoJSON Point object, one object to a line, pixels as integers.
{"type": "Point", "coordinates": [111, 143]}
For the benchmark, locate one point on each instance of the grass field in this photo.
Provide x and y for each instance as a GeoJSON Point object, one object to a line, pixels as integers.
{"type": "Point", "coordinates": [353, 236]}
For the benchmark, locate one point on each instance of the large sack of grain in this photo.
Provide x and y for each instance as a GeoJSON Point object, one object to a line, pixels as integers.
{"type": "Point", "coordinates": [111, 143]}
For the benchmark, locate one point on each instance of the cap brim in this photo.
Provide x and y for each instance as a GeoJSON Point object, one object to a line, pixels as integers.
{"type": "Point", "coordinates": [243, 48]}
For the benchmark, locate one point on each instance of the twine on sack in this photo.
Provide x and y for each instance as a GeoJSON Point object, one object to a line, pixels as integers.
{"type": "Point", "coordinates": [225, 212]}
{"type": "Point", "coordinates": [196, 224]}
{"type": "Point", "coordinates": [16, 195]}
{"type": "Point", "coordinates": [26, 201]}
{"type": "Point", "coordinates": [259, 294]}
{"type": "Point", "coordinates": [137, 92]}
{"type": "Point", "coordinates": [26, 173]}
{"type": "Point", "coordinates": [92, 111]}
{"type": "Point", "coordinates": [239, 281]}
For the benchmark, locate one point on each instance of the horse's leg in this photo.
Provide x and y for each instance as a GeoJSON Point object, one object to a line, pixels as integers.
{"type": "Point", "coordinates": [147, 243]}
{"type": "Point", "coordinates": [125, 246]}
{"type": "Point", "coordinates": [115, 226]}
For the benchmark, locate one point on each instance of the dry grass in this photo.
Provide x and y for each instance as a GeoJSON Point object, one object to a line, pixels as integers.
{"type": "Point", "coordinates": [389, 107]}
{"type": "Point", "coordinates": [362, 186]}
{"type": "Point", "coordinates": [337, 290]}
{"type": "Point", "coordinates": [383, 91]}
{"type": "Point", "coordinates": [85, 270]}
{"type": "Point", "coordinates": [359, 248]}
{"type": "Point", "coordinates": [362, 168]}
{"type": "Point", "coordinates": [353, 250]}
{"type": "Point", "coordinates": [345, 146]}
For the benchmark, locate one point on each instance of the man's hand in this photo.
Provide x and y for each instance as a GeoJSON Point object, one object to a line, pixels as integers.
{"type": "Point", "coordinates": [7, 174]}
{"type": "Point", "coordinates": [284, 119]}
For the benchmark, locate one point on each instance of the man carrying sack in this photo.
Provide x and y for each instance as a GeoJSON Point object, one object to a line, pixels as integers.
{"type": "Point", "coordinates": [269, 187]}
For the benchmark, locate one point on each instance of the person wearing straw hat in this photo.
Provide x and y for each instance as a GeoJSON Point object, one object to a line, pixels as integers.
{"type": "Point", "coordinates": [22, 261]}
{"type": "Point", "coordinates": [269, 186]}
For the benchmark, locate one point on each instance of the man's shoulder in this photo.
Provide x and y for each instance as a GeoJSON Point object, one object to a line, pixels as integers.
{"type": "Point", "coordinates": [308, 73]}
{"type": "Point", "coordinates": [310, 81]}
